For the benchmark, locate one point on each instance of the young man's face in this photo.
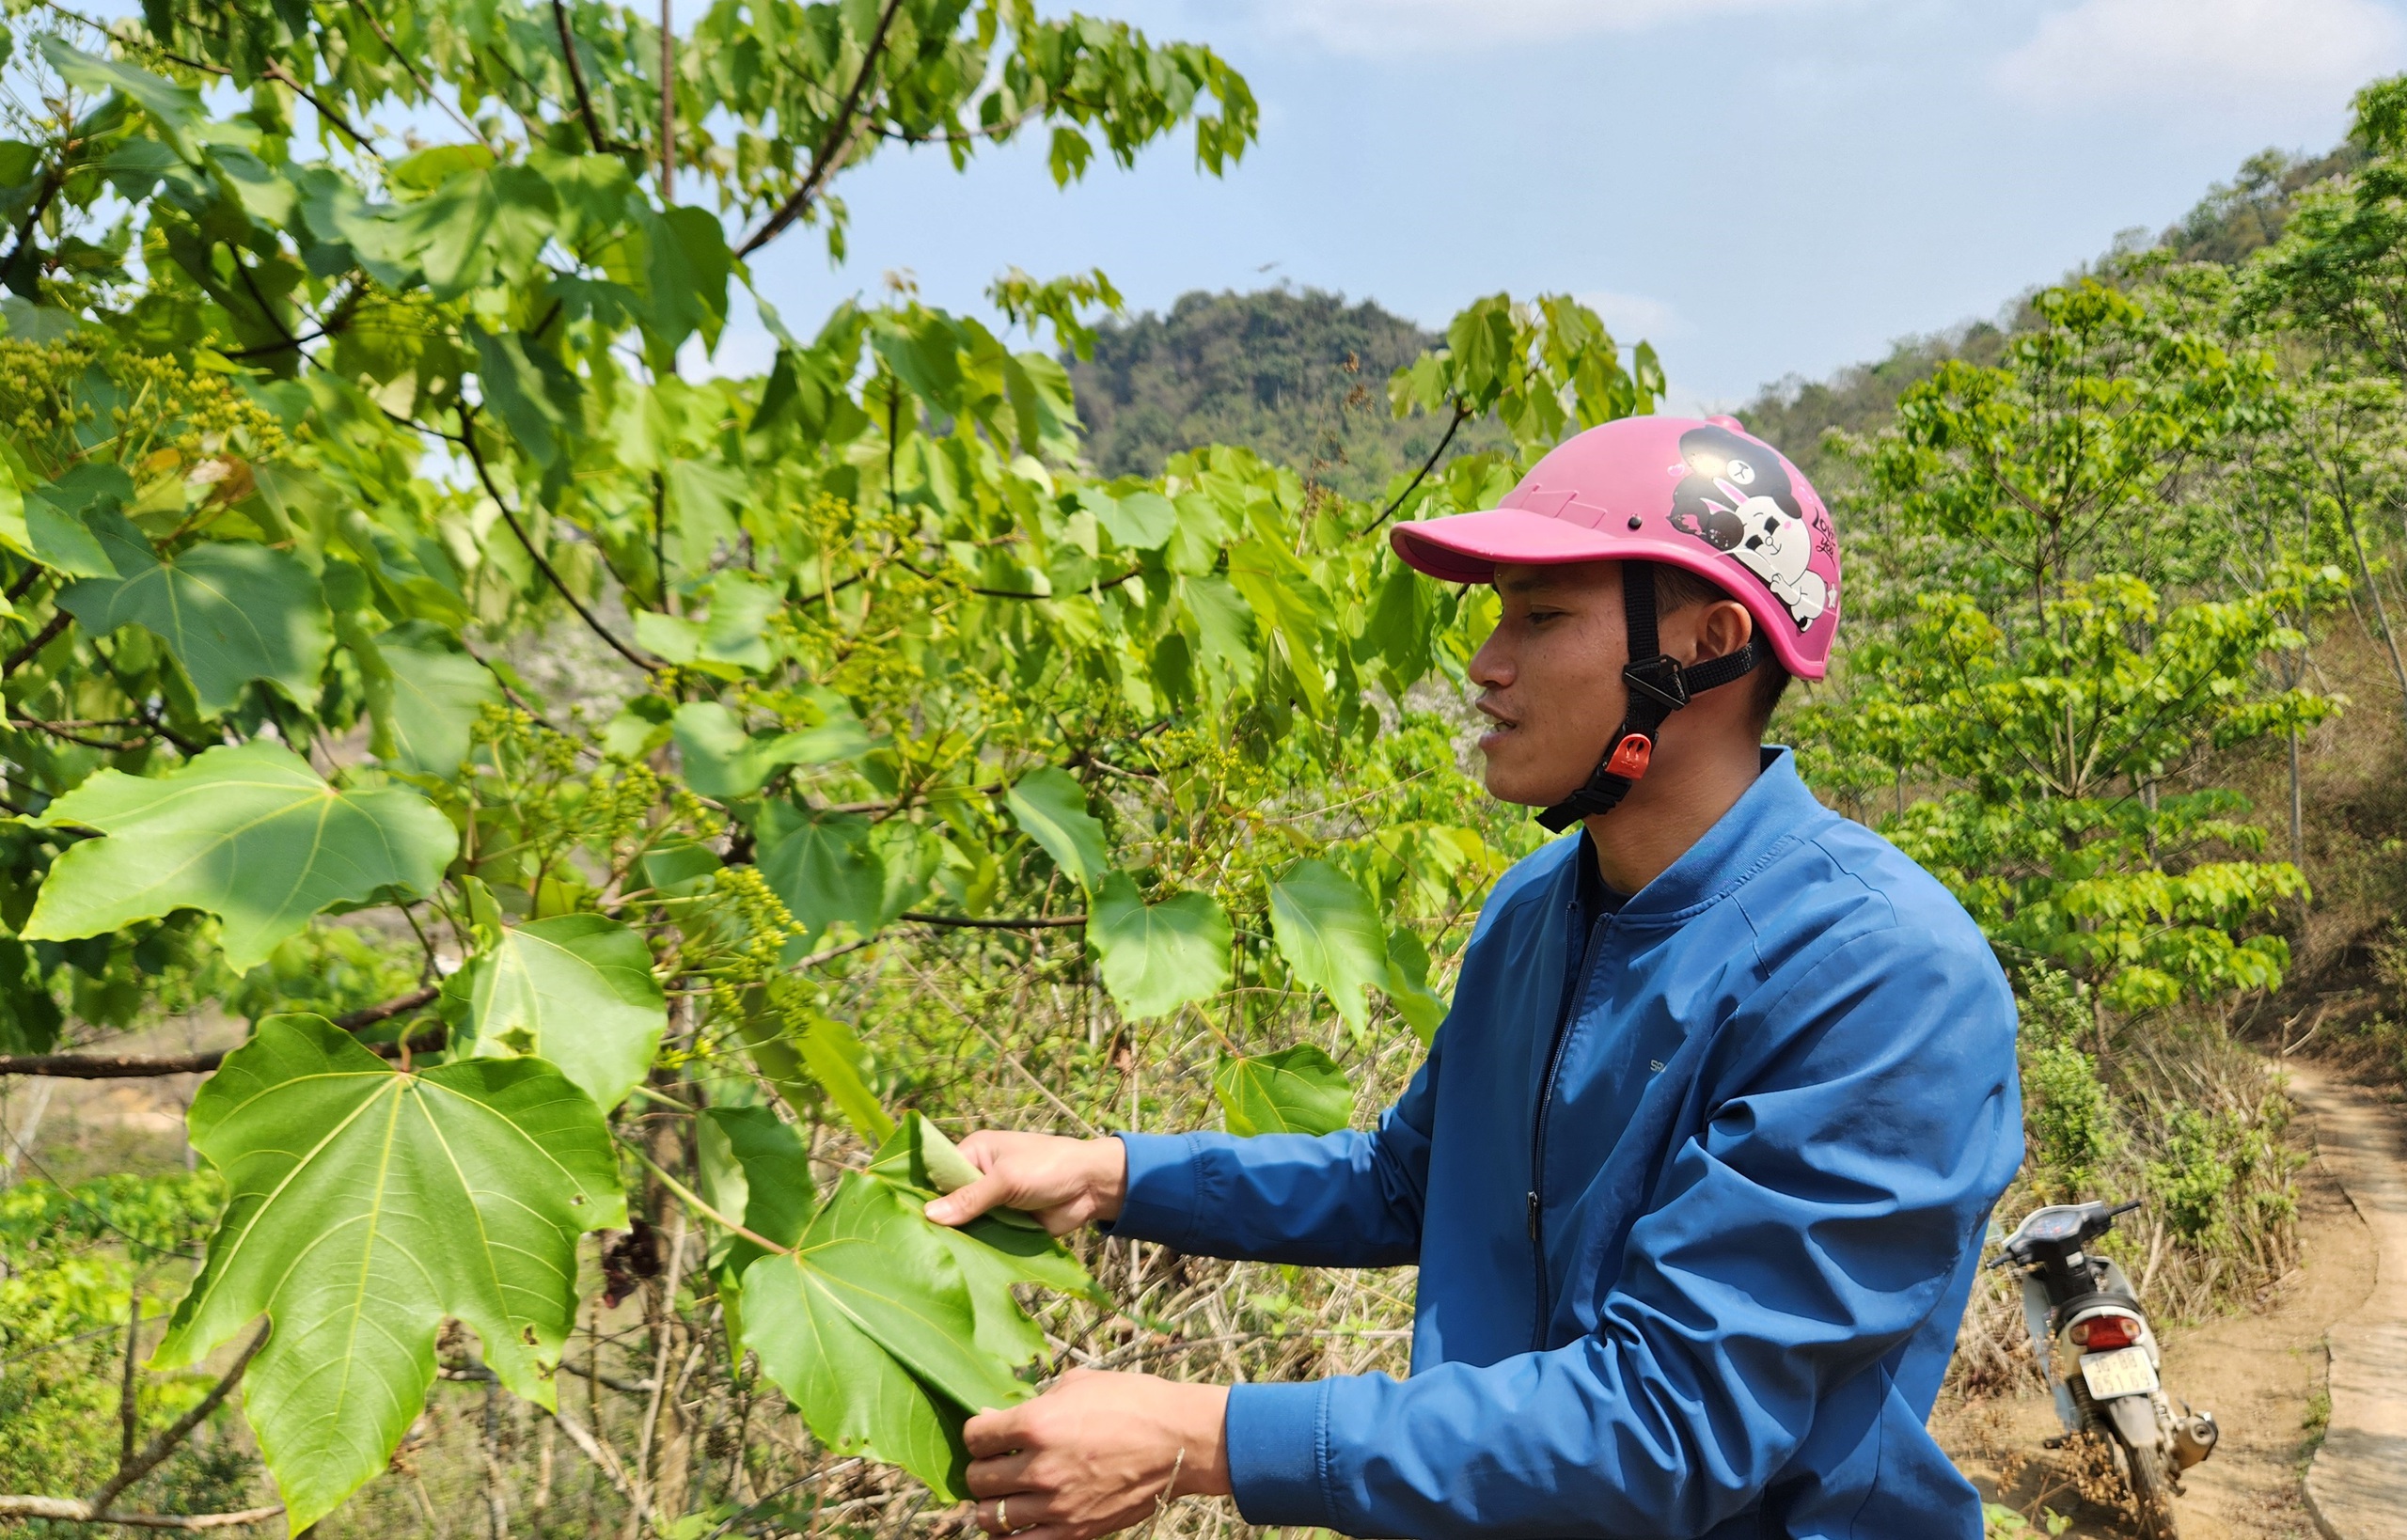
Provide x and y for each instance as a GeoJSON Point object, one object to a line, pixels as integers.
{"type": "Point", "coordinates": [1550, 680]}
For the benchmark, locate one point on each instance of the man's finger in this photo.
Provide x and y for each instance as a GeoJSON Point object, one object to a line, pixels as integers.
{"type": "Point", "coordinates": [964, 1204]}
{"type": "Point", "coordinates": [999, 1475]}
{"type": "Point", "coordinates": [993, 1433]}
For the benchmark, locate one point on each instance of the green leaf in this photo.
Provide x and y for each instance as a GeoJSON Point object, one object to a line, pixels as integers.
{"type": "Point", "coordinates": [532, 395]}
{"type": "Point", "coordinates": [1157, 957]}
{"type": "Point", "coordinates": [576, 990]}
{"type": "Point", "coordinates": [1052, 809]}
{"type": "Point", "coordinates": [1141, 521]}
{"type": "Point", "coordinates": [248, 833]}
{"type": "Point", "coordinates": [822, 867]}
{"type": "Point", "coordinates": [999, 1249]}
{"type": "Point", "coordinates": [868, 1327]}
{"type": "Point", "coordinates": [364, 1207]}
{"type": "Point", "coordinates": [428, 698]}
{"type": "Point", "coordinates": [1330, 935]}
{"type": "Point", "coordinates": [724, 762]}
{"type": "Point", "coordinates": [231, 611]}
{"type": "Point", "coordinates": [1407, 984]}
{"type": "Point", "coordinates": [56, 515]}
{"type": "Point", "coordinates": [1295, 1091]}
{"type": "Point", "coordinates": [176, 110]}
{"type": "Point", "coordinates": [797, 1048]}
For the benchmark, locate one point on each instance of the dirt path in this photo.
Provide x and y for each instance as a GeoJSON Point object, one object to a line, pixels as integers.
{"type": "Point", "coordinates": [2262, 1374]}
{"type": "Point", "coordinates": [2357, 1486]}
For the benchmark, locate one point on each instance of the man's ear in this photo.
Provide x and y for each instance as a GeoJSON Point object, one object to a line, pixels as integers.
{"type": "Point", "coordinates": [1723, 627]}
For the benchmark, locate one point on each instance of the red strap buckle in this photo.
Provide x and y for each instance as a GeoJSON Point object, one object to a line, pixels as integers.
{"type": "Point", "coordinates": [1630, 757]}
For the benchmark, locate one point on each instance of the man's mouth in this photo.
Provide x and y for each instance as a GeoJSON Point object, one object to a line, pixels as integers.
{"type": "Point", "coordinates": [1504, 726]}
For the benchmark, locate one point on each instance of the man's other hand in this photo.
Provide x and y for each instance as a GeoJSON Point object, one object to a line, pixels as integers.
{"type": "Point", "coordinates": [1096, 1453]}
{"type": "Point", "coordinates": [1065, 1182]}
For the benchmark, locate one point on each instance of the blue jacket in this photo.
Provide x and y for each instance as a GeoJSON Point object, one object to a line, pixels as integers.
{"type": "Point", "coordinates": [1700, 1224]}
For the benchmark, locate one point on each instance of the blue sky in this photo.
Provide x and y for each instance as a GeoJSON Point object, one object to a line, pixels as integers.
{"type": "Point", "coordinates": [1759, 186]}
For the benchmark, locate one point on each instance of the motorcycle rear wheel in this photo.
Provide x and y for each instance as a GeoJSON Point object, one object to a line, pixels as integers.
{"type": "Point", "coordinates": [2152, 1490]}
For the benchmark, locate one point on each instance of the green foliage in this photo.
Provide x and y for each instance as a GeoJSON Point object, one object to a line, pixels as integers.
{"type": "Point", "coordinates": [366, 1205]}
{"type": "Point", "coordinates": [2067, 1115]}
{"type": "Point", "coordinates": [576, 991]}
{"type": "Point", "coordinates": [73, 1263]}
{"type": "Point", "coordinates": [1295, 1091]}
{"type": "Point", "coordinates": [1156, 957]}
{"type": "Point", "coordinates": [248, 833]}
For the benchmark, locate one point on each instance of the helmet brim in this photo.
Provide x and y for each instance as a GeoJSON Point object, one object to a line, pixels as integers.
{"type": "Point", "coordinates": [1469, 547]}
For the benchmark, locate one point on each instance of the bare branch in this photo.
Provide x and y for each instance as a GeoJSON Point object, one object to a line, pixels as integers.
{"type": "Point", "coordinates": [163, 1443]}
{"type": "Point", "coordinates": [829, 154]}
{"type": "Point", "coordinates": [475, 457]}
{"type": "Point", "coordinates": [1462, 414]}
{"type": "Point", "coordinates": [80, 1067]}
{"type": "Point", "coordinates": [76, 1511]}
{"type": "Point", "coordinates": [42, 639]}
{"type": "Point", "coordinates": [577, 79]}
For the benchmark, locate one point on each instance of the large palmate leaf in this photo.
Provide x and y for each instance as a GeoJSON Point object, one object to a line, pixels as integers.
{"type": "Point", "coordinates": [1330, 935]}
{"type": "Point", "coordinates": [424, 696]}
{"type": "Point", "coordinates": [1295, 1091]}
{"type": "Point", "coordinates": [1157, 957]}
{"type": "Point", "coordinates": [231, 611]}
{"type": "Point", "coordinates": [364, 1206]}
{"type": "Point", "coordinates": [1000, 1247]}
{"type": "Point", "coordinates": [822, 866]}
{"type": "Point", "coordinates": [247, 833]}
{"type": "Point", "coordinates": [577, 991]}
{"type": "Point", "coordinates": [868, 1326]}
{"type": "Point", "coordinates": [1052, 808]}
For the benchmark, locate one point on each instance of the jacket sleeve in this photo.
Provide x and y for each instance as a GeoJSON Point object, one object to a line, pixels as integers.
{"type": "Point", "coordinates": [1345, 1200]}
{"type": "Point", "coordinates": [1848, 1164]}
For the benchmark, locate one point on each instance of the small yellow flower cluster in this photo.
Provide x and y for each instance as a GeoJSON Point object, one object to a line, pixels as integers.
{"type": "Point", "coordinates": [49, 405]}
{"type": "Point", "coordinates": [767, 923]}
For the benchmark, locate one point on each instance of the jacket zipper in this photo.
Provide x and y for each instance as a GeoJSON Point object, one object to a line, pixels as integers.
{"type": "Point", "coordinates": [1538, 1126]}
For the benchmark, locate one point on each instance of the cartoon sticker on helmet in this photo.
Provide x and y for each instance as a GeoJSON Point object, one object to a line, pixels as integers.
{"type": "Point", "coordinates": [1735, 496]}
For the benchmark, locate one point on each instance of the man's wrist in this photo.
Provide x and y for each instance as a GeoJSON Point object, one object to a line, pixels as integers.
{"type": "Point", "coordinates": [1107, 1181]}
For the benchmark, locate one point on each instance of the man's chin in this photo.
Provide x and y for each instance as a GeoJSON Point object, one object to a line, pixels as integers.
{"type": "Point", "coordinates": [1507, 785]}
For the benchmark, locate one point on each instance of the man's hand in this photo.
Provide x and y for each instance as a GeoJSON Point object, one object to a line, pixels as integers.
{"type": "Point", "coordinates": [1096, 1453]}
{"type": "Point", "coordinates": [1065, 1182]}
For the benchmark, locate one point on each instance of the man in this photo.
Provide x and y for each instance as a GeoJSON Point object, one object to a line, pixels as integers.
{"type": "Point", "coordinates": [1696, 1170]}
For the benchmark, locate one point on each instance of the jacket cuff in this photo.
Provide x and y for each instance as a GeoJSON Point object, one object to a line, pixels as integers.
{"type": "Point", "coordinates": [1274, 1434]}
{"type": "Point", "coordinates": [1160, 1202]}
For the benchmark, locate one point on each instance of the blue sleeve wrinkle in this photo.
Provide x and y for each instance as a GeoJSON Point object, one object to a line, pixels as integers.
{"type": "Point", "coordinates": [1851, 1155]}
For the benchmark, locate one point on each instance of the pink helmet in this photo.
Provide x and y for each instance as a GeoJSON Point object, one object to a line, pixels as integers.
{"type": "Point", "coordinates": [1704, 495]}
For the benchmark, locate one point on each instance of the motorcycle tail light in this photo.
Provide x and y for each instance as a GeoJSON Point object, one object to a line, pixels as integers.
{"type": "Point", "coordinates": [2100, 1332]}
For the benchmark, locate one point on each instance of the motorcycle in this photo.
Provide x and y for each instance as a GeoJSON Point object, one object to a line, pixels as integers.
{"type": "Point", "coordinates": [2100, 1355]}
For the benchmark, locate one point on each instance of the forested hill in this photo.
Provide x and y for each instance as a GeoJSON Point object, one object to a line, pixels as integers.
{"type": "Point", "coordinates": [1299, 376]}
{"type": "Point", "coordinates": [2231, 221]}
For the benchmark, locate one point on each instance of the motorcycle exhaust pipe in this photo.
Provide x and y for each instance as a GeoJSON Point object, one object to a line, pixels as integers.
{"type": "Point", "coordinates": [2193, 1439]}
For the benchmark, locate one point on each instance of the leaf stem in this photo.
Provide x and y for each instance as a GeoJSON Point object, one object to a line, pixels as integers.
{"type": "Point", "coordinates": [694, 1202]}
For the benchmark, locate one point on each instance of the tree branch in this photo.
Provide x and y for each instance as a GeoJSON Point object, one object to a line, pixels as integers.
{"type": "Point", "coordinates": [1033, 922]}
{"type": "Point", "coordinates": [76, 1511]}
{"type": "Point", "coordinates": [17, 659]}
{"type": "Point", "coordinates": [823, 161]}
{"type": "Point", "coordinates": [576, 80]}
{"type": "Point", "coordinates": [163, 1443]}
{"type": "Point", "coordinates": [476, 456]}
{"type": "Point", "coordinates": [1462, 414]}
{"type": "Point", "coordinates": [80, 1067]}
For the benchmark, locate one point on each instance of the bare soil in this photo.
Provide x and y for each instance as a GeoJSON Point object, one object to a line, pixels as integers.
{"type": "Point", "coordinates": [2261, 1374]}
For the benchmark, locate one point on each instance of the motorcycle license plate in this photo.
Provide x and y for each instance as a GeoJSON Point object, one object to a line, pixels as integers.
{"type": "Point", "coordinates": [2124, 1371]}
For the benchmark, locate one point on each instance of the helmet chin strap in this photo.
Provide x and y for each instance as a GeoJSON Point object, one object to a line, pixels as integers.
{"type": "Point", "coordinates": [1658, 688]}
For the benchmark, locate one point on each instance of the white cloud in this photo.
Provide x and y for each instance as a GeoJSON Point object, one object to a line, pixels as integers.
{"type": "Point", "coordinates": [1401, 26]}
{"type": "Point", "coordinates": [2198, 54]}
{"type": "Point", "coordinates": [1634, 318]}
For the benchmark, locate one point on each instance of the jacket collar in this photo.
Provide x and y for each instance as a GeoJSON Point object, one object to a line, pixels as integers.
{"type": "Point", "coordinates": [1768, 817]}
